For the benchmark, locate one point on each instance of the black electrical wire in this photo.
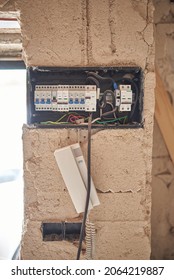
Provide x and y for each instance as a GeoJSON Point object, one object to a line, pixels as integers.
{"type": "Point", "coordinates": [110, 92]}
{"type": "Point", "coordinates": [102, 102]}
{"type": "Point", "coordinates": [135, 102]}
{"type": "Point", "coordinates": [88, 188]}
{"type": "Point", "coordinates": [100, 77]}
{"type": "Point", "coordinates": [94, 80]}
{"type": "Point", "coordinates": [103, 99]}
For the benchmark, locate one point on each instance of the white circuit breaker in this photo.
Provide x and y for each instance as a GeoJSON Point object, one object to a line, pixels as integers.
{"type": "Point", "coordinates": [65, 98]}
{"type": "Point", "coordinates": [124, 98]}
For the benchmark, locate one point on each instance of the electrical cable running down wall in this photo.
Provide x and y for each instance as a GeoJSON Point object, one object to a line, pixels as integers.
{"type": "Point", "coordinates": [81, 188]}
{"type": "Point", "coordinates": [88, 188]}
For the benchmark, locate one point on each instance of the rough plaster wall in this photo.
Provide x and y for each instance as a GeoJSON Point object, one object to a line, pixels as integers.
{"type": "Point", "coordinates": [84, 32]}
{"type": "Point", "coordinates": [92, 32]}
{"type": "Point", "coordinates": [122, 219]}
{"type": "Point", "coordinates": [163, 169]}
{"type": "Point", "coordinates": [7, 5]}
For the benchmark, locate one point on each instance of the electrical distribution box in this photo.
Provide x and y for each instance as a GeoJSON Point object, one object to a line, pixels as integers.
{"type": "Point", "coordinates": [64, 97]}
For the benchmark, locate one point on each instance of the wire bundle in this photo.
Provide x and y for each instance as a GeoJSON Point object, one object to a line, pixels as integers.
{"type": "Point", "coordinates": [70, 117]}
{"type": "Point", "coordinates": [74, 118]}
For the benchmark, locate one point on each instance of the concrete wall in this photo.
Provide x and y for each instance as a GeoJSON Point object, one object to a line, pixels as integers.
{"type": "Point", "coordinates": [92, 32]}
{"type": "Point", "coordinates": [163, 168]}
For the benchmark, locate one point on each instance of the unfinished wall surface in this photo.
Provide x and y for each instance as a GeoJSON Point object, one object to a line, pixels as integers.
{"type": "Point", "coordinates": [163, 168]}
{"type": "Point", "coordinates": [78, 33]}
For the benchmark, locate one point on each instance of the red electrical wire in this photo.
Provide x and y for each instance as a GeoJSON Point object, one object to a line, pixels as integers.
{"type": "Point", "coordinates": [72, 118]}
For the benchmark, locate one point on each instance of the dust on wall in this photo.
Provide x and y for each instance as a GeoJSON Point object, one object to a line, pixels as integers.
{"type": "Point", "coordinates": [78, 33]}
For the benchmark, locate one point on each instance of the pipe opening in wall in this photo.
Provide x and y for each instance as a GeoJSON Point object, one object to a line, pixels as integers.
{"type": "Point", "coordinates": [61, 231]}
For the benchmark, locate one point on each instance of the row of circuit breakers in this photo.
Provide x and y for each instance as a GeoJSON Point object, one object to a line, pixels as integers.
{"type": "Point", "coordinates": [59, 96]}
{"type": "Point", "coordinates": [77, 98]}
